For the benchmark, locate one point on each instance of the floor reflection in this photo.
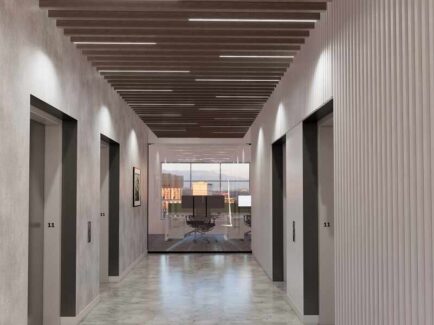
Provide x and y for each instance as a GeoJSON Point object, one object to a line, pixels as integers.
{"type": "Point", "coordinates": [193, 289]}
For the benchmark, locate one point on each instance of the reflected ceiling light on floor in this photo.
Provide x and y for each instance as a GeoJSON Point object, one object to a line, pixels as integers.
{"type": "Point", "coordinates": [257, 56]}
{"type": "Point", "coordinates": [146, 90]}
{"type": "Point", "coordinates": [252, 20]}
{"type": "Point", "coordinates": [238, 80]}
{"type": "Point", "coordinates": [144, 71]}
{"type": "Point", "coordinates": [115, 43]}
{"type": "Point", "coordinates": [253, 97]}
{"type": "Point", "coordinates": [163, 104]}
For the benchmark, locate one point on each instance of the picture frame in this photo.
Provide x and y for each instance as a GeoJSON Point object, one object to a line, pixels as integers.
{"type": "Point", "coordinates": [137, 184]}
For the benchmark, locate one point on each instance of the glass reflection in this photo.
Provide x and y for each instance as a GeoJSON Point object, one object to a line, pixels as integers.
{"type": "Point", "coordinates": [204, 207]}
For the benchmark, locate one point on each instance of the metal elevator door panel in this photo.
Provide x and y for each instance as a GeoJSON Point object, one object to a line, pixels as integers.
{"type": "Point", "coordinates": [36, 224]}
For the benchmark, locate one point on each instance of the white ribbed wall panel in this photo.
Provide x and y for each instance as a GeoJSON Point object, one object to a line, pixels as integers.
{"type": "Point", "coordinates": [375, 58]}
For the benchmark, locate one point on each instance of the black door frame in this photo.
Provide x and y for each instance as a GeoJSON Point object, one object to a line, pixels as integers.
{"type": "Point", "coordinates": [278, 248]}
{"type": "Point", "coordinates": [68, 259]}
{"type": "Point", "coordinates": [310, 209]}
{"type": "Point", "coordinates": [114, 193]}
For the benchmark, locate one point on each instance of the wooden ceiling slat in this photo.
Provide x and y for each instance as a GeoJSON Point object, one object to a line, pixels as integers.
{"type": "Point", "coordinates": [189, 6]}
{"type": "Point", "coordinates": [161, 34]}
{"type": "Point", "coordinates": [191, 40]}
{"type": "Point", "coordinates": [179, 25]}
{"type": "Point", "coordinates": [176, 16]}
{"type": "Point", "coordinates": [108, 33]}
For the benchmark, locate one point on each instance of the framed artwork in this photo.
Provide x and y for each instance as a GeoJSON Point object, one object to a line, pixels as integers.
{"type": "Point", "coordinates": [137, 195]}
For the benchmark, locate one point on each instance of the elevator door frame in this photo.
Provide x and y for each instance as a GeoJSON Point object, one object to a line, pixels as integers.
{"type": "Point", "coordinates": [51, 260]}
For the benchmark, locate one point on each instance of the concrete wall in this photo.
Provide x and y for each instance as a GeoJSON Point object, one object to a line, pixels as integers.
{"type": "Point", "coordinates": [375, 58]}
{"type": "Point", "coordinates": [35, 58]}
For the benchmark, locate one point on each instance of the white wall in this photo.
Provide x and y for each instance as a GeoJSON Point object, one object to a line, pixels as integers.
{"type": "Point", "coordinates": [375, 58]}
{"type": "Point", "coordinates": [36, 58]}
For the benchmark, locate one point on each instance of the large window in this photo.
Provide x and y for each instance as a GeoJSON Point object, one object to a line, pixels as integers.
{"type": "Point", "coordinates": [228, 179]}
{"type": "Point", "coordinates": [191, 227]}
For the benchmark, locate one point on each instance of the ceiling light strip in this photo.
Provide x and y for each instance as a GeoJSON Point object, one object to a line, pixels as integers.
{"type": "Point", "coordinates": [162, 104]}
{"type": "Point", "coordinates": [144, 71]}
{"type": "Point", "coordinates": [238, 80]}
{"type": "Point", "coordinates": [146, 90]}
{"type": "Point", "coordinates": [257, 56]}
{"type": "Point", "coordinates": [252, 20]}
{"type": "Point", "coordinates": [171, 130]}
{"type": "Point", "coordinates": [246, 97]}
{"type": "Point", "coordinates": [172, 123]}
{"type": "Point", "coordinates": [114, 43]}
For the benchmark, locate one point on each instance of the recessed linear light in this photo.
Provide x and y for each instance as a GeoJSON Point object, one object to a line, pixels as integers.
{"type": "Point", "coordinates": [161, 115]}
{"type": "Point", "coordinates": [224, 126]}
{"type": "Point", "coordinates": [257, 56]}
{"type": "Point", "coordinates": [145, 71]}
{"type": "Point", "coordinates": [145, 90]}
{"type": "Point", "coordinates": [253, 97]}
{"type": "Point", "coordinates": [115, 43]}
{"type": "Point", "coordinates": [171, 123]}
{"type": "Point", "coordinates": [170, 130]}
{"type": "Point", "coordinates": [240, 20]}
{"type": "Point", "coordinates": [162, 104]}
{"type": "Point", "coordinates": [229, 132]}
{"type": "Point", "coordinates": [234, 118]}
{"type": "Point", "coordinates": [230, 109]}
{"type": "Point", "coordinates": [239, 80]}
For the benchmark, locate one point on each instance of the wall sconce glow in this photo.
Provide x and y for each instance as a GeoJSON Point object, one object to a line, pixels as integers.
{"type": "Point", "coordinates": [246, 97]}
{"type": "Point", "coordinates": [115, 43]}
{"type": "Point", "coordinates": [257, 56]}
{"type": "Point", "coordinates": [145, 90]}
{"type": "Point", "coordinates": [144, 71]}
{"type": "Point", "coordinates": [236, 20]}
{"type": "Point", "coordinates": [163, 104]}
{"type": "Point", "coordinates": [238, 80]}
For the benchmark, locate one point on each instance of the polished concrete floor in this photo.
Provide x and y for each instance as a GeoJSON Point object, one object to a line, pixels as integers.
{"type": "Point", "coordinates": [193, 289]}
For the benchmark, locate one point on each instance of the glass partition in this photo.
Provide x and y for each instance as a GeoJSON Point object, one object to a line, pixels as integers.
{"type": "Point", "coordinates": [205, 207]}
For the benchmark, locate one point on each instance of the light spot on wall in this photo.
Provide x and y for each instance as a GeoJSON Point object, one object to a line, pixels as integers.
{"type": "Point", "coordinates": [133, 147]}
{"type": "Point", "coordinates": [105, 120]}
{"type": "Point", "coordinates": [319, 81]}
{"type": "Point", "coordinates": [42, 77]}
{"type": "Point", "coordinates": [280, 124]}
{"type": "Point", "coordinates": [260, 151]}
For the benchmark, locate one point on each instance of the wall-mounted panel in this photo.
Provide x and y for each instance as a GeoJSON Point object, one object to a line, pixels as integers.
{"type": "Point", "coordinates": [375, 58]}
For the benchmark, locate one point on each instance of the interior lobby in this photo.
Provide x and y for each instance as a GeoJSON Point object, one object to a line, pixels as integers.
{"type": "Point", "coordinates": [217, 162]}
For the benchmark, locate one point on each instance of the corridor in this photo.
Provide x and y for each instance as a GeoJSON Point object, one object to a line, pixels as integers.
{"type": "Point", "coordinates": [193, 289]}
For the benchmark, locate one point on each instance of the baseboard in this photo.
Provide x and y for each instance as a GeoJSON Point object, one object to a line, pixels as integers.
{"type": "Point", "coordinates": [77, 319]}
{"type": "Point", "coordinates": [119, 278]}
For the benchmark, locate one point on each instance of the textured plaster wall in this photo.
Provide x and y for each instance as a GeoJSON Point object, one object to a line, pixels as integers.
{"type": "Point", "coordinates": [375, 58]}
{"type": "Point", "coordinates": [35, 58]}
